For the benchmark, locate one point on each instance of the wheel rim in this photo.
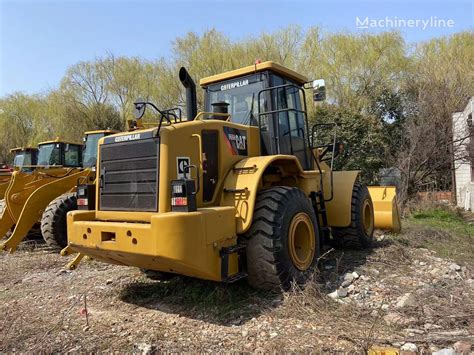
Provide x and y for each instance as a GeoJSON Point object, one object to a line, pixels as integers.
{"type": "Point", "coordinates": [302, 241]}
{"type": "Point", "coordinates": [367, 218]}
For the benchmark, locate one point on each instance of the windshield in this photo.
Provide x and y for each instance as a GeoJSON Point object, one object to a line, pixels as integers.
{"type": "Point", "coordinates": [90, 150]}
{"type": "Point", "coordinates": [49, 154]}
{"type": "Point", "coordinates": [22, 159]}
{"type": "Point", "coordinates": [241, 94]}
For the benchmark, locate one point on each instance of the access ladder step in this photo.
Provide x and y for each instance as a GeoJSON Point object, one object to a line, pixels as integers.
{"type": "Point", "coordinates": [236, 277]}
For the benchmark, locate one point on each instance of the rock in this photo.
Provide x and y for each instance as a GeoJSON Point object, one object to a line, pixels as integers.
{"type": "Point", "coordinates": [145, 348]}
{"type": "Point", "coordinates": [342, 292]}
{"type": "Point", "coordinates": [109, 281]}
{"type": "Point", "coordinates": [445, 351]}
{"type": "Point", "coordinates": [384, 307]}
{"type": "Point", "coordinates": [409, 347]}
{"type": "Point", "coordinates": [339, 293]}
{"type": "Point", "coordinates": [346, 283]}
{"type": "Point", "coordinates": [454, 267]}
{"type": "Point", "coordinates": [463, 347]}
{"type": "Point", "coordinates": [422, 263]}
{"type": "Point", "coordinates": [407, 300]}
{"type": "Point", "coordinates": [86, 328]}
{"type": "Point", "coordinates": [273, 335]}
{"type": "Point", "coordinates": [245, 333]}
{"type": "Point", "coordinates": [348, 277]}
{"type": "Point", "coordinates": [355, 275]}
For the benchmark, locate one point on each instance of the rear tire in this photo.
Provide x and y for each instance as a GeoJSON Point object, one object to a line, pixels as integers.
{"type": "Point", "coordinates": [360, 233]}
{"type": "Point", "coordinates": [54, 221]}
{"type": "Point", "coordinates": [283, 243]}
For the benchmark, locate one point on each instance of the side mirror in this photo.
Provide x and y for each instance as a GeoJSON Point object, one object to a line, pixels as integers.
{"type": "Point", "coordinates": [140, 106]}
{"type": "Point", "coordinates": [319, 90]}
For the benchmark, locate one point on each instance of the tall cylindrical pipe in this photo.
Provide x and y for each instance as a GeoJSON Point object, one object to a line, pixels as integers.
{"type": "Point", "coordinates": [191, 101]}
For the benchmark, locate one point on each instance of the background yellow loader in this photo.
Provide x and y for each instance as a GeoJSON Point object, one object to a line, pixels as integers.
{"type": "Point", "coordinates": [61, 165]}
{"type": "Point", "coordinates": [24, 158]}
{"type": "Point", "coordinates": [243, 190]}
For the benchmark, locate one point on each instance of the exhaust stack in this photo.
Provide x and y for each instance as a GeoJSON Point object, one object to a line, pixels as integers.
{"type": "Point", "coordinates": [191, 101]}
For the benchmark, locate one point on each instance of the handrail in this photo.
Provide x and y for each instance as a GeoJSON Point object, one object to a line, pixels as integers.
{"type": "Point", "coordinates": [201, 114]}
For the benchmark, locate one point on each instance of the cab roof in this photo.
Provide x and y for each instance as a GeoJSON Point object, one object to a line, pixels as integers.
{"type": "Point", "coordinates": [22, 149]}
{"type": "Point", "coordinates": [57, 140]}
{"type": "Point", "coordinates": [271, 66]}
{"type": "Point", "coordinates": [104, 131]}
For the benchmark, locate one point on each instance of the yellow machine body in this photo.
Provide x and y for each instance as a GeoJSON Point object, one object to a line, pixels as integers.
{"type": "Point", "coordinates": [191, 243]}
{"type": "Point", "coordinates": [386, 212]}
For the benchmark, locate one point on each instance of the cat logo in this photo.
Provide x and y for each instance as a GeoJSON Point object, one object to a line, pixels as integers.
{"type": "Point", "coordinates": [130, 137]}
{"type": "Point", "coordinates": [236, 140]}
{"type": "Point", "coordinates": [181, 164]}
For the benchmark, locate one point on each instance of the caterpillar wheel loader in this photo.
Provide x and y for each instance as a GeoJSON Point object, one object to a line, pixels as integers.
{"type": "Point", "coordinates": [242, 190]}
{"type": "Point", "coordinates": [24, 159]}
{"type": "Point", "coordinates": [60, 165]}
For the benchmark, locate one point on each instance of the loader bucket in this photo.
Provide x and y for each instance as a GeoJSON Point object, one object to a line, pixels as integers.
{"type": "Point", "coordinates": [4, 181]}
{"type": "Point", "coordinates": [28, 196]}
{"type": "Point", "coordinates": [386, 213]}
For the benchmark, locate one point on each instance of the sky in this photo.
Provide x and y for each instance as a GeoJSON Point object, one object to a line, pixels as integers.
{"type": "Point", "coordinates": [40, 39]}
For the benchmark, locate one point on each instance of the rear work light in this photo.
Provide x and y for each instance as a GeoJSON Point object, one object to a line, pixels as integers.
{"type": "Point", "coordinates": [86, 197]}
{"type": "Point", "coordinates": [183, 195]}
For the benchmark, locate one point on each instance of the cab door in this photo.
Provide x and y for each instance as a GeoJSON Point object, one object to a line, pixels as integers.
{"type": "Point", "coordinates": [289, 123]}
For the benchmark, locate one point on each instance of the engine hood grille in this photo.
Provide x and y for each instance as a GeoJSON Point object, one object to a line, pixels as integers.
{"type": "Point", "coordinates": [128, 175]}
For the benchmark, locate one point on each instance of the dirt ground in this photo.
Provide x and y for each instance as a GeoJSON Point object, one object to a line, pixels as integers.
{"type": "Point", "coordinates": [395, 293]}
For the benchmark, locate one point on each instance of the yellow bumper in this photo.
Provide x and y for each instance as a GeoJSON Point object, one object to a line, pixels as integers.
{"type": "Point", "coordinates": [183, 243]}
{"type": "Point", "coordinates": [386, 213]}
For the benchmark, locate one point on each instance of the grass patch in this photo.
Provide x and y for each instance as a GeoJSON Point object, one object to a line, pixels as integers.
{"type": "Point", "coordinates": [440, 229]}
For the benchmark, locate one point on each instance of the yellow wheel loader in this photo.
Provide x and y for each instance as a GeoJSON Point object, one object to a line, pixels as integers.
{"type": "Point", "coordinates": [60, 165]}
{"type": "Point", "coordinates": [24, 159]}
{"type": "Point", "coordinates": [243, 190]}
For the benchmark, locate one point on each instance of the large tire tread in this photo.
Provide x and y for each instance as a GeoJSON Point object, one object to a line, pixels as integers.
{"type": "Point", "coordinates": [354, 236]}
{"type": "Point", "coordinates": [53, 221]}
{"type": "Point", "coordinates": [267, 267]}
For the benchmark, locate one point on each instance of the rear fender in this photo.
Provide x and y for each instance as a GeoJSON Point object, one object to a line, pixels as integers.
{"type": "Point", "coordinates": [339, 208]}
{"type": "Point", "coordinates": [245, 179]}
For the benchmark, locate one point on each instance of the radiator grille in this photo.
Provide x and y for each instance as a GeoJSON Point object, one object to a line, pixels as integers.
{"type": "Point", "coordinates": [129, 176]}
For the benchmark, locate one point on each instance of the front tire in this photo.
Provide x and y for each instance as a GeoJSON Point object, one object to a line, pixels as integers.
{"type": "Point", "coordinates": [283, 243]}
{"type": "Point", "coordinates": [54, 221]}
{"type": "Point", "coordinates": [360, 233]}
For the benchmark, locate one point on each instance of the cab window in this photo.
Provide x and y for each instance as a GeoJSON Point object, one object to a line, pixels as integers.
{"type": "Point", "coordinates": [241, 94]}
{"type": "Point", "coordinates": [72, 155]}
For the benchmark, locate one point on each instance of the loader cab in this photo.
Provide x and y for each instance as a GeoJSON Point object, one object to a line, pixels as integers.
{"type": "Point", "coordinates": [268, 96]}
{"type": "Point", "coordinates": [24, 158]}
{"type": "Point", "coordinates": [91, 143]}
{"type": "Point", "coordinates": [60, 154]}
